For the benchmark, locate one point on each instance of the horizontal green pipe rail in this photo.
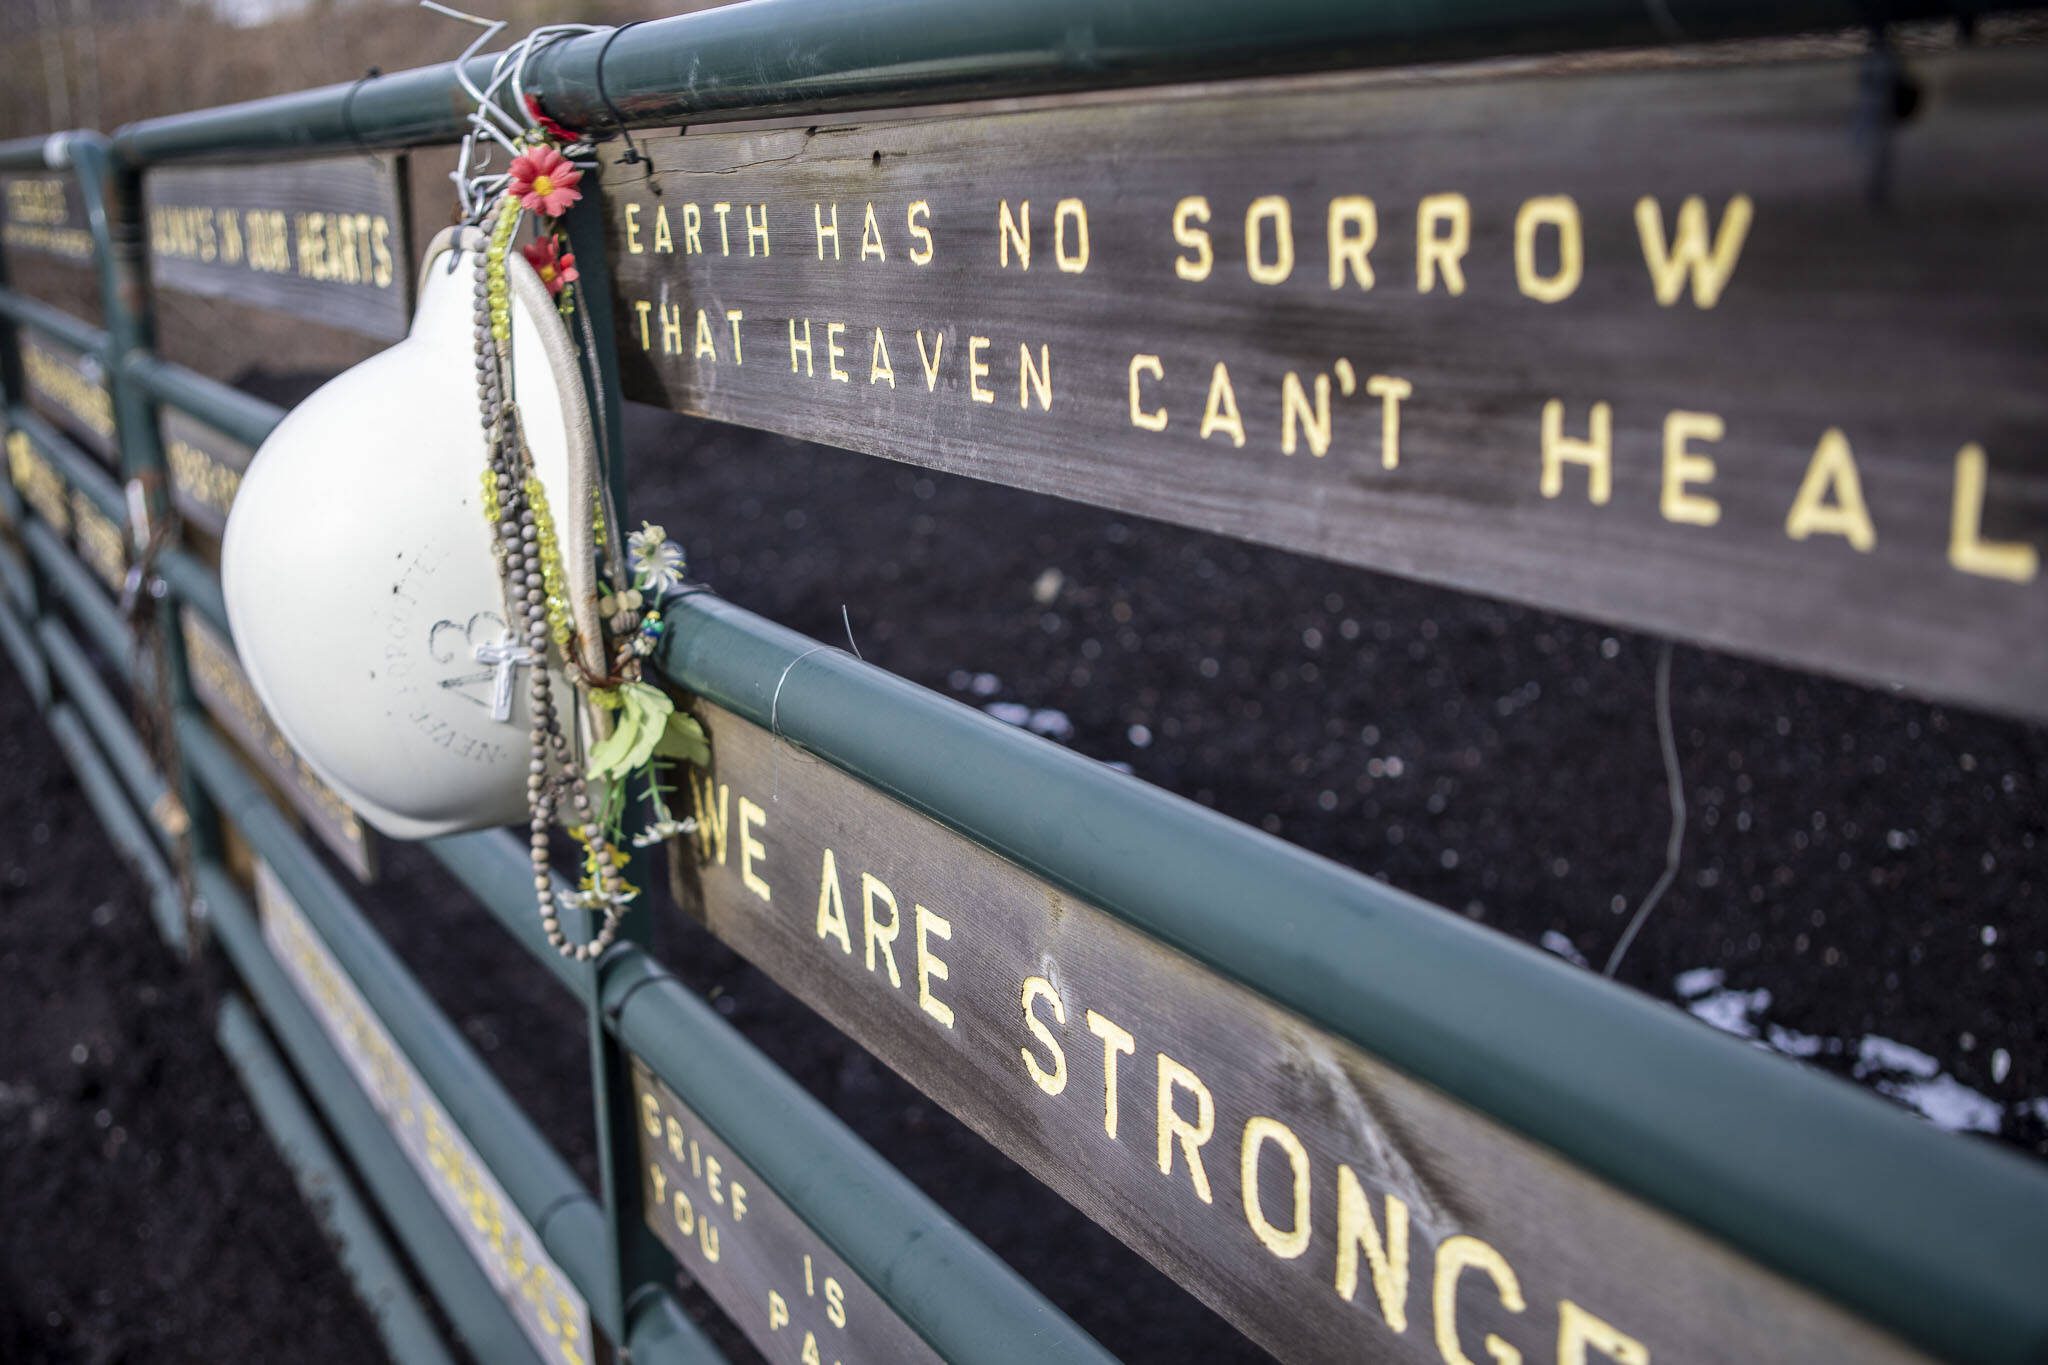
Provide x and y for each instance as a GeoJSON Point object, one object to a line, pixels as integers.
{"type": "Point", "coordinates": [227, 409]}
{"type": "Point", "coordinates": [41, 317]}
{"type": "Point", "coordinates": [1798, 1170]}
{"type": "Point", "coordinates": [27, 153]}
{"type": "Point", "coordinates": [80, 470]}
{"type": "Point", "coordinates": [85, 596]}
{"type": "Point", "coordinates": [15, 580]}
{"type": "Point", "coordinates": [496, 869]}
{"type": "Point", "coordinates": [444, 1261]}
{"type": "Point", "coordinates": [86, 691]}
{"type": "Point", "coordinates": [659, 1332]}
{"type": "Point", "coordinates": [124, 827]}
{"type": "Point", "coordinates": [538, 1181]}
{"type": "Point", "coordinates": [327, 1189]}
{"type": "Point", "coordinates": [775, 57]}
{"type": "Point", "coordinates": [21, 650]}
{"type": "Point", "coordinates": [952, 1290]}
{"type": "Point", "coordinates": [197, 586]}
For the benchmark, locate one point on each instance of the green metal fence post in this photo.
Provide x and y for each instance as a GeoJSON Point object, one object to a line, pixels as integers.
{"type": "Point", "coordinates": [112, 193]}
{"type": "Point", "coordinates": [637, 1257]}
{"type": "Point", "coordinates": [14, 389]}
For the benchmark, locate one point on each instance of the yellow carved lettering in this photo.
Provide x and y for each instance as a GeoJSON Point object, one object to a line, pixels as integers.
{"type": "Point", "coordinates": [1155, 420]}
{"type": "Point", "coordinates": [1596, 452]}
{"type": "Point", "coordinates": [832, 905]}
{"type": "Point", "coordinates": [1830, 498]}
{"type": "Point", "coordinates": [1688, 254]}
{"type": "Point", "coordinates": [875, 933]}
{"type": "Point", "coordinates": [1186, 214]}
{"type": "Point", "coordinates": [1559, 213]}
{"type": "Point", "coordinates": [1053, 1081]}
{"type": "Point", "coordinates": [1220, 412]}
{"type": "Point", "coordinates": [1115, 1039]}
{"type": "Point", "coordinates": [1354, 226]}
{"type": "Point", "coordinates": [1259, 1130]}
{"type": "Point", "coordinates": [1684, 468]}
{"type": "Point", "coordinates": [930, 967]}
{"type": "Point", "coordinates": [1443, 233]}
{"type": "Point", "coordinates": [1968, 551]}
{"type": "Point", "coordinates": [751, 848]}
{"type": "Point", "coordinates": [1174, 1127]}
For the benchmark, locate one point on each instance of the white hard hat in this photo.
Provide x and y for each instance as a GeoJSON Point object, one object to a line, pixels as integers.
{"type": "Point", "coordinates": [358, 568]}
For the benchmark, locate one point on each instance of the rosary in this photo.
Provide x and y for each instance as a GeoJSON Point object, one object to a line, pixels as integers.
{"type": "Point", "coordinates": [589, 797]}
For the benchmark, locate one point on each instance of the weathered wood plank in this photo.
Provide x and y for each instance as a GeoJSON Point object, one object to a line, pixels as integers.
{"type": "Point", "coordinates": [1383, 1221]}
{"type": "Point", "coordinates": [326, 240]}
{"type": "Point", "coordinates": [760, 1263]}
{"type": "Point", "coordinates": [224, 690]}
{"type": "Point", "coordinates": [45, 214]}
{"type": "Point", "coordinates": [206, 468]}
{"type": "Point", "coordinates": [38, 482]}
{"type": "Point", "coordinates": [101, 542]}
{"type": "Point", "coordinates": [542, 1299]}
{"type": "Point", "coordinates": [1340, 317]}
{"type": "Point", "coordinates": [70, 388]}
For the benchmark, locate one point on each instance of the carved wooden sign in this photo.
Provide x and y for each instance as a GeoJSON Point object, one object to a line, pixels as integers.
{"type": "Point", "coordinates": [1330, 1206]}
{"type": "Point", "coordinates": [70, 388]}
{"type": "Point", "coordinates": [792, 1296]}
{"type": "Point", "coordinates": [38, 481]}
{"type": "Point", "coordinates": [326, 240]}
{"type": "Point", "coordinates": [45, 214]}
{"type": "Point", "coordinates": [226, 693]}
{"type": "Point", "coordinates": [1638, 346]}
{"type": "Point", "coordinates": [101, 541]}
{"type": "Point", "coordinates": [206, 468]}
{"type": "Point", "coordinates": [542, 1299]}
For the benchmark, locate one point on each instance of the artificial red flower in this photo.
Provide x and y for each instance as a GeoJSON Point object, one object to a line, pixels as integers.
{"type": "Point", "coordinates": [548, 125]}
{"type": "Point", "coordinates": [555, 266]}
{"type": "Point", "coordinates": [545, 181]}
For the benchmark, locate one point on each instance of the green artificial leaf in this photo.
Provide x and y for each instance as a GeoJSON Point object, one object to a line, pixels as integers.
{"type": "Point", "coordinates": [650, 709]}
{"type": "Point", "coordinates": [683, 738]}
{"type": "Point", "coordinates": [607, 753]}
{"type": "Point", "coordinates": [642, 721]}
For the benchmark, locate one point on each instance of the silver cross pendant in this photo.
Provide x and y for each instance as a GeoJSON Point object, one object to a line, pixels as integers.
{"type": "Point", "coordinates": [505, 655]}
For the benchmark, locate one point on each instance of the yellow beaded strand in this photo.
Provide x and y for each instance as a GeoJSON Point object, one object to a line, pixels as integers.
{"type": "Point", "coordinates": [552, 578]}
{"type": "Point", "coordinates": [499, 292]}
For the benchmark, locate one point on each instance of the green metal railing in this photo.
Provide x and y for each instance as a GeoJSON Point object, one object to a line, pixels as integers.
{"type": "Point", "coordinates": [1825, 1184]}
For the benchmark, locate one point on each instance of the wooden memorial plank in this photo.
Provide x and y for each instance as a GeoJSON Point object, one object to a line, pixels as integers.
{"type": "Point", "coordinates": [70, 388]}
{"type": "Point", "coordinates": [760, 1263]}
{"type": "Point", "coordinates": [226, 693]}
{"type": "Point", "coordinates": [548, 1308]}
{"type": "Point", "coordinates": [1385, 1221]}
{"type": "Point", "coordinates": [206, 468]}
{"type": "Point", "coordinates": [1636, 346]}
{"type": "Point", "coordinates": [101, 542]}
{"type": "Point", "coordinates": [325, 240]}
{"type": "Point", "coordinates": [44, 214]}
{"type": "Point", "coordinates": [38, 481]}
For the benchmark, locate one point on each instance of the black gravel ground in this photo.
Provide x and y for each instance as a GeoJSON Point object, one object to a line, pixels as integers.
{"type": "Point", "coordinates": [144, 1215]}
{"type": "Point", "coordinates": [1856, 866]}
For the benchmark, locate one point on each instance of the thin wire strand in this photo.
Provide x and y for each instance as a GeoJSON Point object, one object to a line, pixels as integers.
{"type": "Point", "coordinates": [1674, 847]}
{"type": "Point", "coordinates": [476, 186]}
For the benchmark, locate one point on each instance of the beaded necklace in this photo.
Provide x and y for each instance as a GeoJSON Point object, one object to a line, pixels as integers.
{"type": "Point", "coordinates": [633, 724]}
{"type": "Point", "coordinates": [529, 560]}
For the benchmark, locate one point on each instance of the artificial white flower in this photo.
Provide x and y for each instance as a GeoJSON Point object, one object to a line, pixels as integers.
{"type": "Point", "coordinates": [656, 561]}
{"type": "Point", "coordinates": [663, 829]}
